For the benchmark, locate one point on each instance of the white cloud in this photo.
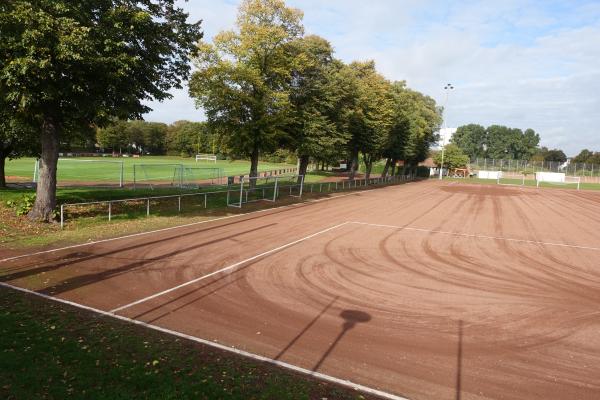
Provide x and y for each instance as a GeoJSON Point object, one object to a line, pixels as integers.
{"type": "Point", "coordinates": [518, 63]}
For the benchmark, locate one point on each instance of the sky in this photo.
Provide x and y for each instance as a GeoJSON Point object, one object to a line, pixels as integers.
{"type": "Point", "coordinates": [524, 64]}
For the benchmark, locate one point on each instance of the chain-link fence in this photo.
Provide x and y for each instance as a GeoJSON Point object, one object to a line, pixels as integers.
{"type": "Point", "coordinates": [589, 173]}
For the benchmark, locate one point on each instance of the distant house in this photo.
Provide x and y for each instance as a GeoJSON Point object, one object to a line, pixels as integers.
{"type": "Point", "coordinates": [445, 137]}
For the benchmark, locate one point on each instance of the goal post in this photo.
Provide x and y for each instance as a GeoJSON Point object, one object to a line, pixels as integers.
{"type": "Point", "coordinates": [195, 177]}
{"type": "Point", "coordinates": [267, 188]}
{"type": "Point", "coordinates": [485, 174]}
{"type": "Point", "coordinates": [557, 178]}
{"type": "Point", "coordinates": [511, 179]}
{"type": "Point", "coordinates": [157, 175]}
{"type": "Point", "coordinates": [206, 157]}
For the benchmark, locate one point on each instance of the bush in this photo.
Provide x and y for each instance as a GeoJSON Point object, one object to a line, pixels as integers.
{"type": "Point", "coordinates": [23, 206]}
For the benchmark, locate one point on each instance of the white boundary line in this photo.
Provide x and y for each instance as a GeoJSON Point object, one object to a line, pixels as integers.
{"type": "Point", "coordinates": [319, 375]}
{"type": "Point", "coordinates": [188, 225]}
{"type": "Point", "coordinates": [472, 235]}
{"type": "Point", "coordinates": [228, 268]}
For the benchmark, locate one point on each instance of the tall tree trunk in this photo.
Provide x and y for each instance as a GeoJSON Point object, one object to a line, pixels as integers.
{"type": "Point", "coordinates": [393, 168]}
{"type": "Point", "coordinates": [368, 166]}
{"type": "Point", "coordinates": [45, 199]}
{"type": "Point", "coordinates": [302, 166]}
{"type": "Point", "coordinates": [2, 177]}
{"type": "Point", "coordinates": [254, 166]}
{"type": "Point", "coordinates": [386, 169]}
{"type": "Point", "coordinates": [353, 165]}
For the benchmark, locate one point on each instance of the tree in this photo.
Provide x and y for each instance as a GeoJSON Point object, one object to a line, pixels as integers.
{"type": "Point", "coordinates": [243, 78]}
{"type": "Point", "coordinates": [314, 96]}
{"type": "Point", "coordinates": [587, 157]}
{"type": "Point", "coordinates": [424, 119]}
{"type": "Point", "coordinates": [368, 115]}
{"type": "Point", "coordinates": [16, 140]}
{"type": "Point", "coordinates": [186, 137]}
{"type": "Point", "coordinates": [555, 155]}
{"type": "Point", "coordinates": [114, 136]}
{"type": "Point", "coordinates": [66, 65]}
{"type": "Point", "coordinates": [471, 139]}
{"type": "Point", "coordinates": [496, 141]}
{"type": "Point", "coordinates": [453, 157]}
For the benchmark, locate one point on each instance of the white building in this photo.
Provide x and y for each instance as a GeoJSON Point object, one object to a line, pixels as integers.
{"type": "Point", "coordinates": [445, 137]}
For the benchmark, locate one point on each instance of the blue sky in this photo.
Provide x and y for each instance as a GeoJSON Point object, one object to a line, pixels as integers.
{"type": "Point", "coordinates": [526, 64]}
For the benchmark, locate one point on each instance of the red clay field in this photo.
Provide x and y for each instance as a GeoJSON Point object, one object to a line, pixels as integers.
{"type": "Point", "coordinates": [421, 291]}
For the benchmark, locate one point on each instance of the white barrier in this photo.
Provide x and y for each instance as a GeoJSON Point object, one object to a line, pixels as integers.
{"type": "Point", "coordinates": [489, 174]}
{"type": "Point", "coordinates": [557, 178]}
{"type": "Point", "coordinates": [553, 177]}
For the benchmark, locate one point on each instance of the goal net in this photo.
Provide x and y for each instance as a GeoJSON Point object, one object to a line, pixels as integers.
{"type": "Point", "coordinates": [269, 188]}
{"type": "Point", "coordinates": [195, 177]}
{"type": "Point", "coordinates": [511, 179]}
{"type": "Point", "coordinates": [92, 173]}
{"type": "Point", "coordinates": [483, 174]}
{"type": "Point", "coordinates": [206, 157]}
{"type": "Point", "coordinates": [556, 178]}
{"type": "Point", "coordinates": [154, 175]}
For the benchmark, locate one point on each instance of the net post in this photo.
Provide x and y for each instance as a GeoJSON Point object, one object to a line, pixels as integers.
{"type": "Point", "coordinates": [179, 203]}
{"type": "Point", "coordinates": [121, 176]}
{"type": "Point", "coordinates": [241, 190]}
{"type": "Point", "coordinates": [36, 167]}
{"type": "Point", "coordinates": [276, 189]}
{"type": "Point", "coordinates": [109, 211]}
{"type": "Point", "coordinates": [181, 171]}
{"type": "Point", "coordinates": [62, 216]}
{"type": "Point", "coordinates": [147, 207]}
{"type": "Point", "coordinates": [206, 197]}
{"type": "Point", "coordinates": [133, 176]}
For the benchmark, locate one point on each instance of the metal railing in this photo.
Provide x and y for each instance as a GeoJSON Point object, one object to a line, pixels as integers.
{"type": "Point", "coordinates": [148, 201]}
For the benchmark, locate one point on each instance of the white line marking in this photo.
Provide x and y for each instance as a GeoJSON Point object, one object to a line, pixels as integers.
{"type": "Point", "coordinates": [471, 235]}
{"type": "Point", "coordinates": [188, 225]}
{"type": "Point", "coordinates": [228, 268]}
{"type": "Point", "coordinates": [319, 375]}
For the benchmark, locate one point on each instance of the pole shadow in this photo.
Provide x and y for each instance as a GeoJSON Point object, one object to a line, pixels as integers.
{"type": "Point", "coordinates": [351, 318]}
{"type": "Point", "coordinates": [459, 357]}
{"type": "Point", "coordinates": [306, 328]}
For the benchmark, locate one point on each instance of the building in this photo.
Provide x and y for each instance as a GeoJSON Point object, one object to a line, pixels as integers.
{"type": "Point", "coordinates": [445, 137]}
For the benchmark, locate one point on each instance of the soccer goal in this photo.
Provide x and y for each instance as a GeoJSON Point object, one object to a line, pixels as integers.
{"type": "Point", "coordinates": [206, 157]}
{"type": "Point", "coordinates": [483, 174]}
{"type": "Point", "coordinates": [195, 177]}
{"type": "Point", "coordinates": [92, 173]}
{"type": "Point", "coordinates": [511, 179]}
{"type": "Point", "coordinates": [268, 188]}
{"type": "Point", "coordinates": [154, 175]}
{"type": "Point", "coordinates": [557, 178]}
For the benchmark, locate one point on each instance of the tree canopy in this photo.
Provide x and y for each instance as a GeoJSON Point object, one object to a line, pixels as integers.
{"type": "Point", "coordinates": [265, 86]}
{"type": "Point", "coordinates": [243, 78]}
{"type": "Point", "coordinates": [587, 157]}
{"type": "Point", "coordinates": [496, 141]}
{"type": "Point", "coordinates": [453, 155]}
{"type": "Point", "coordinates": [65, 65]}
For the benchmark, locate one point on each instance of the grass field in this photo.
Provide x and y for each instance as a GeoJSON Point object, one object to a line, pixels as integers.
{"type": "Point", "coordinates": [106, 171]}
{"type": "Point", "coordinates": [55, 351]}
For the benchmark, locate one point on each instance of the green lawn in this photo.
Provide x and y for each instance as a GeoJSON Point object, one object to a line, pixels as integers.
{"type": "Point", "coordinates": [107, 170]}
{"type": "Point", "coordinates": [53, 351]}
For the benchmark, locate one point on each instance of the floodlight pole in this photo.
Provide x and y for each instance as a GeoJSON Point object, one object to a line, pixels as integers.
{"type": "Point", "coordinates": [447, 88]}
